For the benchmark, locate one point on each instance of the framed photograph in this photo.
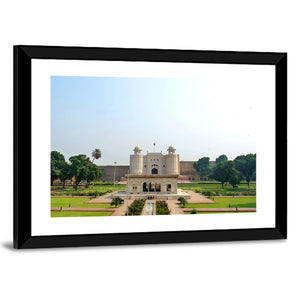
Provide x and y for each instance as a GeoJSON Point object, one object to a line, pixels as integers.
{"type": "Point", "coordinates": [143, 146]}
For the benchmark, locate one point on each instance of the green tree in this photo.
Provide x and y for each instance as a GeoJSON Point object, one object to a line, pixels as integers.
{"type": "Point", "coordinates": [57, 161]}
{"type": "Point", "coordinates": [79, 167]}
{"type": "Point", "coordinates": [116, 201]}
{"type": "Point", "coordinates": [223, 171]}
{"type": "Point", "coordinates": [246, 165]}
{"type": "Point", "coordinates": [182, 201]}
{"type": "Point", "coordinates": [235, 178]}
{"type": "Point", "coordinates": [96, 154]}
{"type": "Point", "coordinates": [65, 173]}
{"type": "Point", "coordinates": [202, 166]}
{"type": "Point", "coordinates": [221, 158]}
{"type": "Point", "coordinates": [93, 172]}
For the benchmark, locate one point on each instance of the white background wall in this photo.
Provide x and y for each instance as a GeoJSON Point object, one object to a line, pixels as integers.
{"type": "Point", "coordinates": [248, 270]}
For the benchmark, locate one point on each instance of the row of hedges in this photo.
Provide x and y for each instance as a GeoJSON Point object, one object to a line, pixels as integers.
{"type": "Point", "coordinates": [135, 209]}
{"type": "Point", "coordinates": [162, 208]}
{"type": "Point", "coordinates": [82, 193]}
{"type": "Point", "coordinates": [101, 183]}
{"type": "Point", "coordinates": [226, 193]}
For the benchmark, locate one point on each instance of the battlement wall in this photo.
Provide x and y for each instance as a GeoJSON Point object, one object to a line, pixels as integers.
{"type": "Point", "coordinates": [186, 168]}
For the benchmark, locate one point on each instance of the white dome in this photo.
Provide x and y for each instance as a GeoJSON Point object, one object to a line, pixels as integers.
{"type": "Point", "coordinates": [137, 149]}
{"type": "Point", "coordinates": [171, 149]}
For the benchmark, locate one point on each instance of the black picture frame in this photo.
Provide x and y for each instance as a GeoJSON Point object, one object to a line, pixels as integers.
{"type": "Point", "coordinates": [23, 56]}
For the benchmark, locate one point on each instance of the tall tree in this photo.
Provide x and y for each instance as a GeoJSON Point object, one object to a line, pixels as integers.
{"type": "Point", "coordinates": [202, 166]}
{"type": "Point", "coordinates": [96, 154]}
{"type": "Point", "coordinates": [235, 178]}
{"type": "Point", "coordinates": [223, 171]}
{"type": "Point", "coordinates": [79, 167]}
{"type": "Point", "coordinates": [65, 173]}
{"type": "Point", "coordinates": [221, 158]}
{"type": "Point", "coordinates": [57, 161]}
{"type": "Point", "coordinates": [93, 172]}
{"type": "Point", "coordinates": [246, 165]}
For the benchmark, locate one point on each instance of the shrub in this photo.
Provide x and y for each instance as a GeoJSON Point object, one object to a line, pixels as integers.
{"type": "Point", "coordinates": [193, 211]}
{"type": "Point", "coordinates": [135, 209]}
{"type": "Point", "coordinates": [116, 201]}
{"type": "Point", "coordinates": [162, 208]}
{"type": "Point", "coordinates": [182, 201]}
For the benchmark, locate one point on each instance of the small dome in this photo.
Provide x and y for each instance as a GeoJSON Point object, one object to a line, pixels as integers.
{"type": "Point", "coordinates": [137, 149]}
{"type": "Point", "coordinates": [171, 149]}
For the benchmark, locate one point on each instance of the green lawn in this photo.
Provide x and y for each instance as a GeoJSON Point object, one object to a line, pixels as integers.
{"type": "Point", "coordinates": [248, 202]}
{"type": "Point", "coordinates": [218, 212]}
{"type": "Point", "coordinates": [55, 214]}
{"type": "Point", "coordinates": [77, 202]}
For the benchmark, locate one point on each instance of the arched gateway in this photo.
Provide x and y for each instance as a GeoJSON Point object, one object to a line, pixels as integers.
{"type": "Point", "coordinates": [153, 174]}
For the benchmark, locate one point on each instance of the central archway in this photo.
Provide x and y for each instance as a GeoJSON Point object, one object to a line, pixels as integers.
{"type": "Point", "coordinates": [145, 187]}
{"type": "Point", "coordinates": [154, 171]}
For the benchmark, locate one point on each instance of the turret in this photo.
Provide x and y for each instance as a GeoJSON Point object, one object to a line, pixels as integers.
{"type": "Point", "coordinates": [136, 161]}
{"type": "Point", "coordinates": [172, 161]}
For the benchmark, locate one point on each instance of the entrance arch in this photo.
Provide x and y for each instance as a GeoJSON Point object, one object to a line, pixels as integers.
{"type": "Point", "coordinates": [145, 187]}
{"type": "Point", "coordinates": [169, 187]}
{"type": "Point", "coordinates": [154, 171]}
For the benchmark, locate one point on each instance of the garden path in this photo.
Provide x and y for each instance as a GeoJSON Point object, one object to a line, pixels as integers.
{"type": "Point", "coordinates": [198, 198]}
{"type": "Point", "coordinates": [121, 211]}
{"type": "Point", "coordinates": [174, 208]}
{"type": "Point", "coordinates": [103, 199]}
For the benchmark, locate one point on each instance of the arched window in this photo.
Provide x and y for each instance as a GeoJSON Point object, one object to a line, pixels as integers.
{"type": "Point", "coordinates": [154, 171]}
{"type": "Point", "coordinates": [145, 187]}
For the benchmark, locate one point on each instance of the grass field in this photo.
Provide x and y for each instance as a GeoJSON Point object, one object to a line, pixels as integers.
{"type": "Point", "coordinates": [218, 212]}
{"type": "Point", "coordinates": [248, 202]}
{"type": "Point", "coordinates": [62, 214]}
{"type": "Point", "coordinates": [77, 202]}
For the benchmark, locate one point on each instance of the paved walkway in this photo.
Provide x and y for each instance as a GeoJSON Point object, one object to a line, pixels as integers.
{"type": "Point", "coordinates": [198, 198]}
{"type": "Point", "coordinates": [103, 199]}
{"type": "Point", "coordinates": [174, 208]}
{"type": "Point", "coordinates": [121, 210]}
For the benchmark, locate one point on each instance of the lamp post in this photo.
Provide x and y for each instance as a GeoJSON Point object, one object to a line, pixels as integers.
{"type": "Point", "coordinates": [115, 173]}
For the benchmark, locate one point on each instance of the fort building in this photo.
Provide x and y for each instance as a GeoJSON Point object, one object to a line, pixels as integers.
{"type": "Point", "coordinates": [153, 175]}
{"type": "Point", "coordinates": [186, 170]}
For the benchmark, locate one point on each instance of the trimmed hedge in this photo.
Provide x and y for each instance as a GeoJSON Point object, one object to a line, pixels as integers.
{"type": "Point", "coordinates": [162, 208]}
{"type": "Point", "coordinates": [135, 209]}
{"type": "Point", "coordinates": [226, 193]}
{"type": "Point", "coordinates": [82, 193]}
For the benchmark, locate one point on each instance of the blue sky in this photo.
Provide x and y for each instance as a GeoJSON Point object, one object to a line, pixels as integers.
{"type": "Point", "coordinates": [198, 116]}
